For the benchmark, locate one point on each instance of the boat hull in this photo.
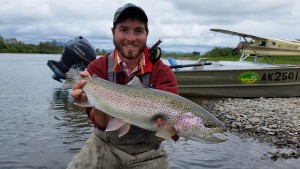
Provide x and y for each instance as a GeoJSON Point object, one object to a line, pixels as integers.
{"type": "Point", "coordinates": [246, 83]}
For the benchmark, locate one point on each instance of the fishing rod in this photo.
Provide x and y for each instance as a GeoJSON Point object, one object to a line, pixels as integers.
{"type": "Point", "coordinates": [72, 118]}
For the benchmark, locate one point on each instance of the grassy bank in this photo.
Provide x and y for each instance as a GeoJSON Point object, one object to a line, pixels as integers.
{"type": "Point", "coordinates": [225, 54]}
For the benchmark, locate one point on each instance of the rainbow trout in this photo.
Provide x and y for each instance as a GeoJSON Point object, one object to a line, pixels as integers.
{"type": "Point", "coordinates": [133, 104]}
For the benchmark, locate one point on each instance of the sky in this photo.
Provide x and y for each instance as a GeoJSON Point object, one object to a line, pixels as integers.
{"type": "Point", "coordinates": [182, 25]}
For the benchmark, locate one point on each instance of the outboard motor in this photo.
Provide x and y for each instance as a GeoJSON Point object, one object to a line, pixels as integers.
{"type": "Point", "coordinates": [78, 53]}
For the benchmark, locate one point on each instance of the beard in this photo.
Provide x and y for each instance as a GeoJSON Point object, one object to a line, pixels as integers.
{"type": "Point", "coordinates": [131, 54]}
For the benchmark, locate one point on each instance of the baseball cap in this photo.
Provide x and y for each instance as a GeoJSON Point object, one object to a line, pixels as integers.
{"type": "Point", "coordinates": [133, 9]}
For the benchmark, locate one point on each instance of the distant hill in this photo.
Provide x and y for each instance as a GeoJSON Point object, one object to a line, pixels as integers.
{"type": "Point", "coordinates": [60, 43]}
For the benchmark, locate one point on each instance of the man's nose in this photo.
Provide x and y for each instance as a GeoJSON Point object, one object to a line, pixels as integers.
{"type": "Point", "coordinates": [130, 36]}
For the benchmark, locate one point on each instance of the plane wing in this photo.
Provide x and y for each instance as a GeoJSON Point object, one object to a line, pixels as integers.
{"type": "Point", "coordinates": [237, 33]}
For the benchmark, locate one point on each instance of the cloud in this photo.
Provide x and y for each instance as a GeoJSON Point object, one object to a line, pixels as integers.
{"type": "Point", "coordinates": [182, 24]}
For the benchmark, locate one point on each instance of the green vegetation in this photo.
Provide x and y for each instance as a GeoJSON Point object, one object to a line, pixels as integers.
{"type": "Point", "coordinates": [12, 45]}
{"type": "Point", "coordinates": [101, 51]}
{"type": "Point", "coordinates": [226, 54]}
{"type": "Point", "coordinates": [295, 60]}
{"type": "Point", "coordinates": [213, 55]}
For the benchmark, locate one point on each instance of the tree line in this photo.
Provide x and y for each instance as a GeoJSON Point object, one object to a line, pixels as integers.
{"type": "Point", "coordinates": [12, 45]}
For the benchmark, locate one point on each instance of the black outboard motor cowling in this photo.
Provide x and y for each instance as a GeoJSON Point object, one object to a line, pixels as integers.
{"type": "Point", "coordinates": [78, 53]}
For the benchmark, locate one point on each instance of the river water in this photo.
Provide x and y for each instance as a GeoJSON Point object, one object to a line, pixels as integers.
{"type": "Point", "coordinates": [41, 128]}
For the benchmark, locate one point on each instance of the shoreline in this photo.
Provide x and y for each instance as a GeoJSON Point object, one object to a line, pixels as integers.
{"type": "Point", "coordinates": [275, 121]}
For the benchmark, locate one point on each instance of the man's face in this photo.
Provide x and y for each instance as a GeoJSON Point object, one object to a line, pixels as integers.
{"type": "Point", "coordinates": [130, 38]}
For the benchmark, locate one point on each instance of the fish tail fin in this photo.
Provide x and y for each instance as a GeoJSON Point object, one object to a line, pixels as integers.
{"type": "Point", "coordinates": [73, 76]}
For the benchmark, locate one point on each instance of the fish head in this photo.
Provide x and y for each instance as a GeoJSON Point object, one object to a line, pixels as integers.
{"type": "Point", "coordinates": [195, 128]}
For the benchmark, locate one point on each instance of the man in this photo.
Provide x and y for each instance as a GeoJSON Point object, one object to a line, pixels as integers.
{"type": "Point", "coordinates": [138, 148]}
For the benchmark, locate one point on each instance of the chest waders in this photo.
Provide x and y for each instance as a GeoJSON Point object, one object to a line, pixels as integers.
{"type": "Point", "coordinates": [137, 140]}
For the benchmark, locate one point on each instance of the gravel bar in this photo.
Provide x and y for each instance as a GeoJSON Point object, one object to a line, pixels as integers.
{"type": "Point", "coordinates": [272, 120]}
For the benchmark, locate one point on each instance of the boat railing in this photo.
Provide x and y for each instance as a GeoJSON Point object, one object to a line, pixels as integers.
{"type": "Point", "coordinates": [200, 62]}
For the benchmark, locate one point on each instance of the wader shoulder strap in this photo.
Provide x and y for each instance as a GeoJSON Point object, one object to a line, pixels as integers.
{"type": "Point", "coordinates": [112, 76]}
{"type": "Point", "coordinates": [146, 79]}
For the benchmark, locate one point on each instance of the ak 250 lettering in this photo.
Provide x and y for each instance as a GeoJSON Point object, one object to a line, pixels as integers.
{"type": "Point", "coordinates": [280, 76]}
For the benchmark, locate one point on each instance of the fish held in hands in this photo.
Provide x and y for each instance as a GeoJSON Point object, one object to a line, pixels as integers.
{"type": "Point", "coordinates": [133, 104]}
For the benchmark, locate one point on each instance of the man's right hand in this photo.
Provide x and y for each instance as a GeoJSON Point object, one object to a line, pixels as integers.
{"type": "Point", "coordinates": [80, 97]}
{"type": "Point", "coordinates": [78, 94]}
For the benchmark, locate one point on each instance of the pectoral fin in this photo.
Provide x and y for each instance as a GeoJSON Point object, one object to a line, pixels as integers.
{"type": "Point", "coordinates": [119, 125]}
{"type": "Point", "coordinates": [124, 129]}
{"type": "Point", "coordinates": [114, 124]}
{"type": "Point", "coordinates": [165, 132]}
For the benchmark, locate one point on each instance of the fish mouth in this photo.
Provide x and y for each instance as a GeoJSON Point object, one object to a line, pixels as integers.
{"type": "Point", "coordinates": [214, 127]}
{"type": "Point", "coordinates": [213, 139]}
{"type": "Point", "coordinates": [221, 129]}
{"type": "Point", "coordinates": [216, 130]}
{"type": "Point", "coordinates": [205, 137]}
{"type": "Point", "coordinates": [210, 135]}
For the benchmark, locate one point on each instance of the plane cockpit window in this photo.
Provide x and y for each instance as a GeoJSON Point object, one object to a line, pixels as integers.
{"type": "Point", "coordinates": [273, 43]}
{"type": "Point", "coordinates": [262, 43]}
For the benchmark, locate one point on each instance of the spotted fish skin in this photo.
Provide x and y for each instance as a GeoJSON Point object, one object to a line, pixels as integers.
{"type": "Point", "coordinates": [140, 106]}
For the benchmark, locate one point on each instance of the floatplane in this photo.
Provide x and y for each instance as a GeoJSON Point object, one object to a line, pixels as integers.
{"type": "Point", "coordinates": [257, 46]}
{"type": "Point", "coordinates": [243, 78]}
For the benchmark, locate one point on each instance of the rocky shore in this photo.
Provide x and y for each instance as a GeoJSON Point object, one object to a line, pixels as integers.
{"type": "Point", "coordinates": [272, 120]}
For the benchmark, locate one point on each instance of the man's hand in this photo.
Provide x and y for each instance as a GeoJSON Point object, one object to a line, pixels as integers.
{"type": "Point", "coordinates": [78, 94]}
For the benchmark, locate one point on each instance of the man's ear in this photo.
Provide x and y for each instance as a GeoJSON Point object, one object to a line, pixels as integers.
{"type": "Point", "coordinates": [113, 31]}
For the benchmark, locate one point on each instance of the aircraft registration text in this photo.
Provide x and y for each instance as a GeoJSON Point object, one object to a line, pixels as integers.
{"type": "Point", "coordinates": [288, 46]}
